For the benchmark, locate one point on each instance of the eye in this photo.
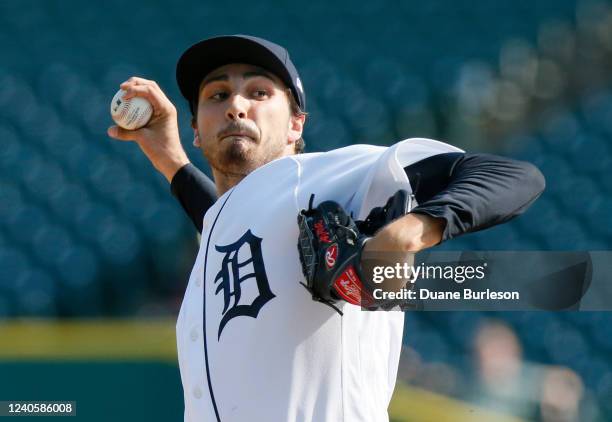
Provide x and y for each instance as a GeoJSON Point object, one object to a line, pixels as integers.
{"type": "Point", "coordinates": [260, 93]}
{"type": "Point", "coordinates": [218, 96]}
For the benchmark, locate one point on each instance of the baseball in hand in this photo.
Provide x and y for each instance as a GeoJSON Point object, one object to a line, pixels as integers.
{"type": "Point", "coordinates": [130, 114]}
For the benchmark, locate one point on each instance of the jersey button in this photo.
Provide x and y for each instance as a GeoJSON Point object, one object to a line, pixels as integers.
{"type": "Point", "coordinates": [197, 392]}
{"type": "Point", "coordinates": [194, 334]}
{"type": "Point", "coordinates": [199, 281]}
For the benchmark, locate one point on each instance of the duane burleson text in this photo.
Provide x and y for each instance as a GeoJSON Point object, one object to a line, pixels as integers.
{"type": "Point", "coordinates": [426, 294]}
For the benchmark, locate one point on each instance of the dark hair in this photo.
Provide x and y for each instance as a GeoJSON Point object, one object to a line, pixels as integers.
{"type": "Point", "coordinates": [296, 111]}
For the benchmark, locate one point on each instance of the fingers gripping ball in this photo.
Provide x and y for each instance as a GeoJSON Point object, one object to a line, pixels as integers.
{"type": "Point", "coordinates": [132, 113]}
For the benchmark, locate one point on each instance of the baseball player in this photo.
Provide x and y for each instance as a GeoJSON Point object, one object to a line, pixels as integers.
{"type": "Point", "coordinates": [253, 345]}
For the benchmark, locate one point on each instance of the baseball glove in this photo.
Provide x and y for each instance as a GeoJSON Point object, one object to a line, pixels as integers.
{"type": "Point", "coordinates": [330, 245]}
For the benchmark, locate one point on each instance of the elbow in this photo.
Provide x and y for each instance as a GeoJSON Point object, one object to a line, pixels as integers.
{"type": "Point", "coordinates": [535, 179]}
{"type": "Point", "coordinates": [530, 178]}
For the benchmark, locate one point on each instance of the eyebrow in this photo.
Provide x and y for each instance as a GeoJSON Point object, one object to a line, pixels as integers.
{"type": "Point", "coordinates": [245, 75]}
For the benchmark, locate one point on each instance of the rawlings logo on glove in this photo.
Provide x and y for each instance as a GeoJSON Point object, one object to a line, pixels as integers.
{"type": "Point", "coordinates": [330, 256]}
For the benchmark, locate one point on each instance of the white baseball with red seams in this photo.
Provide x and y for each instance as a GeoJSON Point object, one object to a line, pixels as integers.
{"type": "Point", "coordinates": [130, 114]}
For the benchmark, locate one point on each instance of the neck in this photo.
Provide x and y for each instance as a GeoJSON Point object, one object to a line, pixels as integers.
{"type": "Point", "coordinates": [224, 181]}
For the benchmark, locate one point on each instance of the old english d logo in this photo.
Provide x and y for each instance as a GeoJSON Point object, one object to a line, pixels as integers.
{"type": "Point", "coordinates": [231, 277]}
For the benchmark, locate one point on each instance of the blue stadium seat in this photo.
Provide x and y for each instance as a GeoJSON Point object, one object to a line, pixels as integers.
{"type": "Point", "coordinates": [17, 100]}
{"type": "Point", "coordinates": [11, 200]}
{"type": "Point", "coordinates": [5, 306]}
{"type": "Point", "coordinates": [57, 142]}
{"type": "Point", "coordinates": [23, 225]}
{"type": "Point", "coordinates": [95, 112]}
{"type": "Point", "coordinates": [53, 80]}
{"type": "Point", "coordinates": [50, 242]}
{"type": "Point", "coordinates": [592, 156]}
{"type": "Point", "coordinates": [596, 111]}
{"type": "Point", "coordinates": [109, 176]}
{"type": "Point", "coordinates": [326, 133]}
{"type": "Point", "coordinates": [533, 339]}
{"type": "Point", "coordinates": [597, 220]}
{"type": "Point", "coordinates": [341, 93]}
{"type": "Point", "coordinates": [36, 293]}
{"type": "Point", "coordinates": [99, 225]}
{"type": "Point", "coordinates": [11, 150]}
{"type": "Point", "coordinates": [592, 368]}
{"type": "Point", "coordinates": [462, 326]}
{"type": "Point", "coordinates": [78, 267]}
{"type": "Point", "coordinates": [13, 263]}
{"type": "Point", "coordinates": [544, 211]}
{"type": "Point", "coordinates": [565, 345]}
{"type": "Point", "coordinates": [67, 201]}
{"type": "Point", "coordinates": [562, 129]}
{"type": "Point", "coordinates": [131, 154]}
{"type": "Point", "coordinates": [410, 90]}
{"type": "Point", "coordinates": [385, 74]}
{"type": "Point", "coordinates": [82, 158]}
{"type": "Point", "coordinates": [566, 234]}
{"type": "Point", "coordinates": [431, 344]}
{"type": "Point", "coordinates": [43, 179]}
{"type": "Point", "coordinates": [165, 222]}
{"type": "Point", "coordinates": [118, 241]}
{"type": "Point", "coordinates": [557, 171]}
{"type": "Point", "coordinates": [576, 194]}
{"type": "Point", "coordinates": [46, 128]}
{"type": "Point", "coordinates": [602, 334]}
{"type": "Point", "coordinates": [369, 119]}
{"type": "Point", "coordinates": [503, 237]}
{"type": "Point", "coordinates": [604, 390]}
{"type": "Point", "coordinates": [81, 292]}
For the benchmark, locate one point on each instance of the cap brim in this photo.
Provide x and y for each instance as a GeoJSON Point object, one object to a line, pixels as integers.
{"type": "Point", "coordinates": [202, 58]}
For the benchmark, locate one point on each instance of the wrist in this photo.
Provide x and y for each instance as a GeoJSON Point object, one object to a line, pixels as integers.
{"type": "Point", "coordinates": [170, 168]}
{"type": "Point", "coordinates": [429, 231]}
{"type": "Point", "coordinates": [410, 233]}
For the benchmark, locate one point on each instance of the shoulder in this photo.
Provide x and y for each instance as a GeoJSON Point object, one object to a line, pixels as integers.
{"type": "Point", "coordinates": [345, 153]}
{"type": "Point", "coordinates": [409, 151]}
{"type": "Point", "coordinates": [415, 146]}
{"type": "Point", "coordinates": [356, 158]}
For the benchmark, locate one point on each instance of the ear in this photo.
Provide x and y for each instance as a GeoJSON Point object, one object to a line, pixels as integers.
{"type": "Point", "coordinates": [296, 127]}
{"type": "Point", "coordinates": [196, 134]}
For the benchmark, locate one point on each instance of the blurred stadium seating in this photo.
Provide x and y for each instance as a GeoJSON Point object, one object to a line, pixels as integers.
{"type": "Point", "coordinates": [91, 230]}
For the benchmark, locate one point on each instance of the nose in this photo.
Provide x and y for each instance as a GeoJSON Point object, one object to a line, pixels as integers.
{"type": "Point", "coordinates": [237, 108]}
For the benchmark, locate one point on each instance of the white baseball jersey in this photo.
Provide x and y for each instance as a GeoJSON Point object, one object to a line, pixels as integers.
{"type": "Point", "coordinates": [252, 344]}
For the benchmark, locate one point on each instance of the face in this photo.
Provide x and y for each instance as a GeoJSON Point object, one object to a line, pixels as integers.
{"type": "Point", "coordinates": [243, 119]}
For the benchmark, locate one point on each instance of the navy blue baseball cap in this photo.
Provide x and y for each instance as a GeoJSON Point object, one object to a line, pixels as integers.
{"type": "Point", "coordinates": [205, 56]}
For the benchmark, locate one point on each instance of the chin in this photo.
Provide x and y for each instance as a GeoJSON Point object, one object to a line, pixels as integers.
{"type": "Point", "coordinates": [238, 154]}
{"type": "Point", "coordinates": [239, 150]}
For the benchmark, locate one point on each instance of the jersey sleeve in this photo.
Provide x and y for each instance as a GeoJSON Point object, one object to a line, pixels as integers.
{"type": "Point", "coordinates": [195, 192]}
{"type": "Point", "coordinates": [473, 191]}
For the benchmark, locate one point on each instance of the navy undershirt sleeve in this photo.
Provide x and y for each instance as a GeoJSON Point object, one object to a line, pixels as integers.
{"type": "Point", "coordinates": [195, 192]}
{"type": "Point", "coordinates": [473, 191]}
{"type": "Point", "coordinates": [469, 191]}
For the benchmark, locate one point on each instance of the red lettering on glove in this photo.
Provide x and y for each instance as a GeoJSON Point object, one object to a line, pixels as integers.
{"type": "Point", "coordinates": [321, 233]}
{"type": "Point", "coordinates": [349, 287]}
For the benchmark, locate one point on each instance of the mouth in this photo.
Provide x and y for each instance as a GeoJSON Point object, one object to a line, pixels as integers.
{"type": "Point", "coordinates": [237, 135]}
